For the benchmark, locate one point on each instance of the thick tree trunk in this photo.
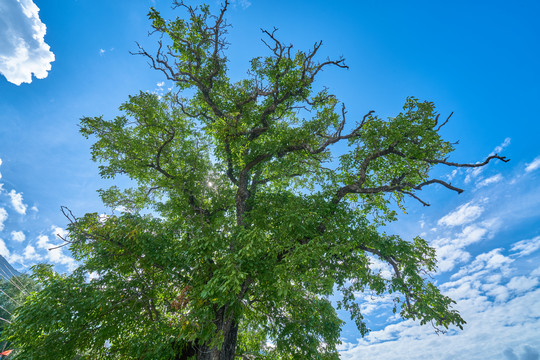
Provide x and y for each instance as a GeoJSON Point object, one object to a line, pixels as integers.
{"type": "Point", "coordinates": [228, 326]}
{"type": "Point", "coordinates": [228, 348]}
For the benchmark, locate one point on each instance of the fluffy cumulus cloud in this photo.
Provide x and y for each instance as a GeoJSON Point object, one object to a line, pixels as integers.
{"type": "Point", "coordinates": [54, 253]}
{"type": "Point", "coordinates": [23, 50]}
{"type": "Point", "coordinates": [10, 257]}
{"type": "Point", "coordinates": [30, 254]}
{"type": "Point", "coordinates": [18, 236]}
{"type": "Point", "coordinates": [449, 255]}
{"type": "Point", "coordinates": [17, 202]}
{"type": "Point", "coordinates": [464, 214]}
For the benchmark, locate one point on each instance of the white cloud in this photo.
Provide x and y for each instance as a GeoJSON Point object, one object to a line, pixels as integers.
{"type": "Point", "coordinates": [243, 3]}
{"type": "Point", "coordinates": [522, 283]}
{"type": "Point", "coordinates": [18, 236]}
{"type": "Point", "coordinates": [3, 249]}
{"type": "Point", "coordinates": [102, 218]}
{"type": "Point", "coordinates": [529, 353]}
{"type": "Point", "coordinates": [11, 258]}
{"type": "Point", "coordinates": [491, 329]}
{"type": "Point", "coordinates": [501, 147]}
{"type": "Point", "coordinates": [450, 255]}
{"type": "Point", "coordinates": [122, 208]}
{"type": "Point", "coordinates": [502, 318]}
{"type": "Point", "coordinates": [526, 247]}
{"type": "Point", "coordinates": [535, 164]}
{"type": "Point", "coordinates": [3, 218]}
{"type": "Point", "coordinates": [160, 84]}
{"type": "Point", "coordinates": [101, 52]}
{"type": "Point", "coordinates": [471, 234]}
{"type": "Point", "coordinates": [17, 202]}
{"type": "Point", "coordinates": [93, 276]}
{"type": "Point", "coordinates": [463, 215]}
{"type": "Point", "coordinates": [450, 249]}
{"type": "Point", "coordinates": [0, 173]}
{"type": "Point", "coordinates": [490, 180]}
{"type": "Point", "coordinates": [378, 266]}
{"type": "Point", "coordinates": [474, 172]}
{"type": "Point", "coordinates": [58, 231]}
{"type": "Point", "coordinates": [54, 253]}
{"type": "Point", "coordinates": [369, 304]}
{"type": "Point", "coordinates": [452, 175]}
{"type": "Point", "coordinates": [30, 254]}
{"type": "Point", "coordinates": [492, 260]}
{"type": "Point", "coordinates": [23, 50]}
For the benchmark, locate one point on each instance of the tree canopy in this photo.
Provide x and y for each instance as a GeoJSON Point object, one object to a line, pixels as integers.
{"type": "Point", "coordinates": [243, 220]}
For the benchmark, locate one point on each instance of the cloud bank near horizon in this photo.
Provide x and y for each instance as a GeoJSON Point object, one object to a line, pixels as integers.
{"type": "Point", "coordinates": [497, 289]}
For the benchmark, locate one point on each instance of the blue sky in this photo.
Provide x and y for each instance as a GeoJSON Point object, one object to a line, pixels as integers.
{"type": "Point", "coordinates": [478, 59]}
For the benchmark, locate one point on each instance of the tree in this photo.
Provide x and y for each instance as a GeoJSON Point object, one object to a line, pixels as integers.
{"type": "Point", "coordinates": [241, 223]}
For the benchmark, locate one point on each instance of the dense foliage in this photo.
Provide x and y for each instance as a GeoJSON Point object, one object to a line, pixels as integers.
{"type": "Point", "coordinates": [14, 289]}
{"type": "Point", "coordinates": [241, 223]}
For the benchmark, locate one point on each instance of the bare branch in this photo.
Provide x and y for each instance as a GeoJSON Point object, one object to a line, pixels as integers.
{"type": "Point", "coordinates": [444, 123]}
{"type": "Point", "coordinates": [416, 197]}
{"type": "Point", "coordinates": [437, 181]}
{"type": "Point", "coordinates": [160, 150]}
{"type": "Point", "coordinates": [485, 162]}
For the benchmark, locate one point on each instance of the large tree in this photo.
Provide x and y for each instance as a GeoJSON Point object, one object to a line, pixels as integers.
{"type": "Point", "coordinates": [241, 223]}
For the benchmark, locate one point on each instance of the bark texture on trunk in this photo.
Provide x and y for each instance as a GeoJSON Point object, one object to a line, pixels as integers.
{"type": "Point", "coordinates": [228, 326]}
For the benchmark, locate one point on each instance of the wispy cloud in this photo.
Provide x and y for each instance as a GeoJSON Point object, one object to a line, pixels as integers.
{"type": "Point", "coordinates": [243, 3]}
{"type": "Point", "coordinates": [475, 172]}
{"type": "Point", "coordinates": [526, 247]}
{"type": "Point", "coordinates": [535, 164]}
{"type": "Point", "coordinates": [501, 147]}
{"type": "Point", "coordinates": [490, 180]}
{"type": "Point", "coordinates": [23, 50]}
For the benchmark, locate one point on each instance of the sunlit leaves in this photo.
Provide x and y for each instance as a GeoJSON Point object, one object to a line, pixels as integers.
{"type": "Point", "coordinates": [238, 219]}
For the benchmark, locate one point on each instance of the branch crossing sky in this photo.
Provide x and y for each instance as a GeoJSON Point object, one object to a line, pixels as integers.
{"type": "Point", "coordinates": [61, 61]}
